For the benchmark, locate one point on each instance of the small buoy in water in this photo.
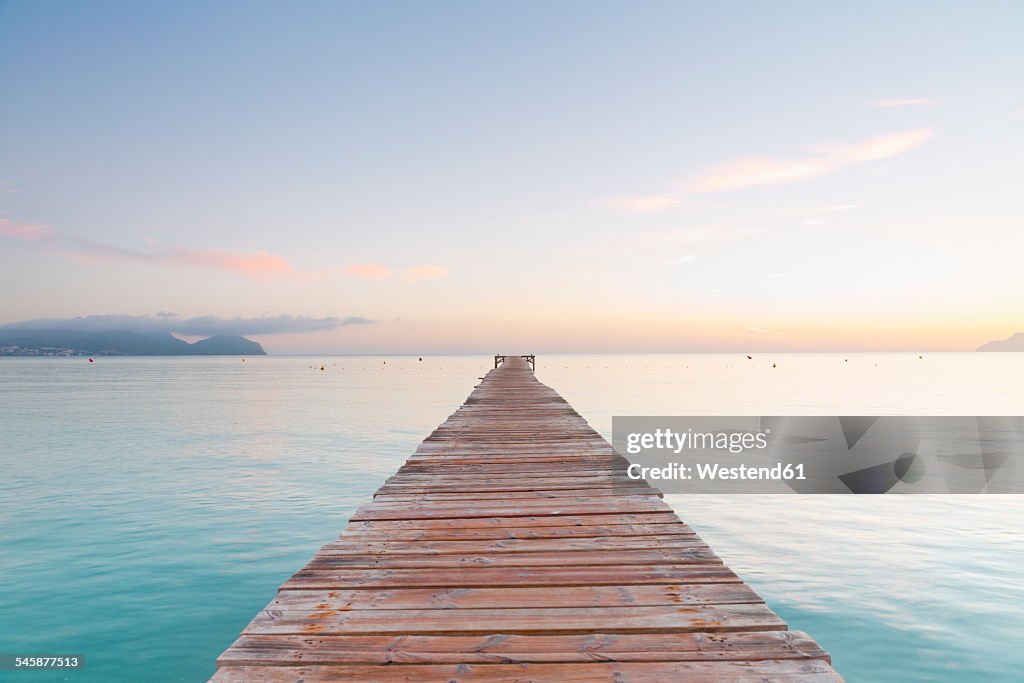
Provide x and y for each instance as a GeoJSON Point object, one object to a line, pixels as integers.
{"type": "Point", "coordinates": [773, 365]}
{"type": "Point", "coordinates": [243, 360]}
{"type": "Point", "coordinates": [846, 360]}
{"type": "Point", "coordinates": [421, 359]}
{"type": "Point", "coordinates": [920, 357]}
{"type": "Point", "coordinates": [90, 360]}
{"type": "Point", "coordinates": [750, 358]}
{"type": "Point", "coordinates": [321, 367]}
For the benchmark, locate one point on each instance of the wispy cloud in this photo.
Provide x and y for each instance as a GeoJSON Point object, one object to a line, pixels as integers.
{"type": "Point", "coordinates": [261, 265]}
{"type": "Point", "coordinates": [26, 232]}
{"type": "Point", "coordinates": [164, 322]}
{"type": "Point", "coordinates": [759, 171]}
{"type": "Point", "coordinates": [754, 171]}
{"type": "Point", "coordinates": [418, 273]}
{"type": "Point", "coordinates": [763, 171]}
{"type": "Point", "coordinates": [875, 149]}
{"type": "Point", "coordinates": [822, 211]}
{"type": "Point", "coordinates": [901, 102]}
{"type": "Point", "coordinates": [369, 271]}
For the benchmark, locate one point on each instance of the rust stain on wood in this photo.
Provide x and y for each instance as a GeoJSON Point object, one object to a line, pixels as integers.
{"type": "Point", "coordinates": [512, 547]}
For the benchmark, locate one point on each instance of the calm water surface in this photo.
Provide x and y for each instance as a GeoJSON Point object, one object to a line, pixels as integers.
{"type": "Point", "coordinates": [150, 506]}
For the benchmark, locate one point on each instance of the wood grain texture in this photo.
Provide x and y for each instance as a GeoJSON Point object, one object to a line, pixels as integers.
{"type": "Point", "coordinates": [715, 671]}
{"type": "Point", "coordinates": [512, 546]}
{"type": "Point", "coordinates": [414, 649]}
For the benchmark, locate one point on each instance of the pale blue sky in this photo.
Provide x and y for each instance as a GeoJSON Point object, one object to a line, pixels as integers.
{"type": "Point", "coordinates": [625, 176]}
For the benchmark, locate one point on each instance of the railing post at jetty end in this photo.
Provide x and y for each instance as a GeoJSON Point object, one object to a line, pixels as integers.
{"type": "Point", "coordinates": [530, 359]}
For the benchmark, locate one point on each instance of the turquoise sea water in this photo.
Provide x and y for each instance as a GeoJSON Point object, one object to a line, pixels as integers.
{"type": "Point", "coordinates": [149, 507]}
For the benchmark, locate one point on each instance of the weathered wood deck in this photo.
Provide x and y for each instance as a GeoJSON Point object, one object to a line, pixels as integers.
{"type": "Point", "coordinates": [512, 547]}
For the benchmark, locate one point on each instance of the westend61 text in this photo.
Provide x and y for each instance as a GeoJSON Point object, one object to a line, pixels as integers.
{"type": "Point", "coordinates": [715, 472]}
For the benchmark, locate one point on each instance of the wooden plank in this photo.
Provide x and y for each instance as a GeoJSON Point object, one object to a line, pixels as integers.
{"type": "Point", "coordinates": [515, 486]}
{"type": "Point", "coordinates": [513, 545]}
{"type": "Point", "coordinates": [456, 510]}
{"type": "Point", "coordinates": [476, 598]}
{"type": "Point", "coordinates": [563, 620]}
{"type": "Point", "coordinates": [578, 495]}
{"type": "Point", "coordinates": [369, 531]}
{"type": "Point", "coordinates": [470, 577]}
{"type": "Point", "coordinates": [550, 454]}
{"type": "Point", "coordinates": [533, 520]}
{"type": "Point", "coordinates": [717, 671]}
{"type": "Point", "coordinates": [330, 560]}
{"type": "Point", "coordinates": [512, 648]}
{"type": "Point", "coordinates": [584, 478]}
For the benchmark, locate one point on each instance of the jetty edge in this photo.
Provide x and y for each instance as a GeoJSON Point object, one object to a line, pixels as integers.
{"type": "Point", "coordinates": [511, 546]}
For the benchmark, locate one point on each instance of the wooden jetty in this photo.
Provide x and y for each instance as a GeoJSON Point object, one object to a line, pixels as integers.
{"type": "Point", "coordinates": [511, 546]}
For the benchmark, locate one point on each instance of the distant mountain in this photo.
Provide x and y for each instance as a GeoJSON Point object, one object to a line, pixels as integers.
{"type": "Point", "coordinates": [28, 342]}
{"type": "Point", "coordinates": [1014, 342]}
{"type": "Point", "coordinates": [228, 345]}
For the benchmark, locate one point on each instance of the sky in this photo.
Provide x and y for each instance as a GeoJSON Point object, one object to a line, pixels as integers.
{"type": "Point", "coordinates": [431, 177]}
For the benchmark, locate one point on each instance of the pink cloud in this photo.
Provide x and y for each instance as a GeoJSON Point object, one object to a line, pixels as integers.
{"type": "Point", "coordinates": [425, 273]}
{"type": "Point", "coordinates": [260, 264]}
{"type": "Point", "coordinates": [25, 232]}
{"type": "Point", "coordinates": [752, 171]}
{"type": "Point", "coordinates": [881, 147]}
{"type": "Point", "coordinates": [763, 170]}
{"type": "Point", "coordinates": [369, 271]}
{"type": "Point", "coordinates": [756, 171]}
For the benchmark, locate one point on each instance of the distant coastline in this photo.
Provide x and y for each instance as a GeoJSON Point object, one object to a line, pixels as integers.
{"type": "Point", "coordinates": [65, 342]}
{"type": "Point", "coordinates": [1015, 342]}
